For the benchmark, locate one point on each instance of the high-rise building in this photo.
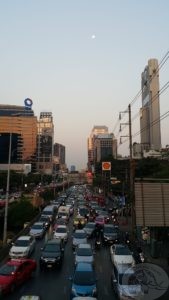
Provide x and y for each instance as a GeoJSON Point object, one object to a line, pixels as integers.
{"type": "Point", "coordinates": [90, 143]}
{"type": "Point", "coordinates": [104, 145]}
{"type": "Point", "coordinates": [19, 123]}
{"type": "Point", "coordinates": [45, 143]}
{"type": "Point", "coordinates": [59, 157]}
{"type": "Point", "coordinates": [150, 111]}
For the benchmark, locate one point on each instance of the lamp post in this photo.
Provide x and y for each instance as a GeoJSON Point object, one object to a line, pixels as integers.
{"type": "Point", "coordinates": [7, 190]}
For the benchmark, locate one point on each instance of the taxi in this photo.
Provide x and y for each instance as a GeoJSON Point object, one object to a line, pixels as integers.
{"type": "Point", "coordinates": [79, 222]}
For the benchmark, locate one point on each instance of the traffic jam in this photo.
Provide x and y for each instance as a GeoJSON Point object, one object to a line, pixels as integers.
{"type": "Point", "coordinates": [81, 224]}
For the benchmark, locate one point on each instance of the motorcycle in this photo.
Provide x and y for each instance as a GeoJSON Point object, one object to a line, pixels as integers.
{"type": "Point", "coordinates": [97, 244]}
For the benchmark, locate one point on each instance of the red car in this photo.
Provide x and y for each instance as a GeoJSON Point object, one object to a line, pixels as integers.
{"type": "Point", "coordinates": [15, 272]}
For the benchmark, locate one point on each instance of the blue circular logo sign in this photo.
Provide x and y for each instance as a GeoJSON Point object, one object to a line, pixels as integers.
{"type": "Point", "coordinates": [28, 102]}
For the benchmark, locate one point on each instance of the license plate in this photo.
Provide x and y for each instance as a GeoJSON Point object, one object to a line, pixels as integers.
{"type": "Point", "coordinates": [49, 266]}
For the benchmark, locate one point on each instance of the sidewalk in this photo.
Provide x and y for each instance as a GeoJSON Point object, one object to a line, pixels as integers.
{"type": "Point", "coordinates": [161, 261]}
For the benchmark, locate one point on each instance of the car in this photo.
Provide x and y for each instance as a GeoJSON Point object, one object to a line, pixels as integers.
{"type": "Point", "coordinates": [14, 272]}
{"type": "Point", "coordinates": [105, 215]}
{"type": "Point", "coordinates": [83, 211]}
{"type": "Point", "coordinates": [37, 230]}
{"type": "Point", "coordinates": [79, 237]}
{"type": "Point", "coordinates": [84, 253]}
{"type": "Point", "coordinates": [121, 254]}
{"type": "Point", "coordinates": [84, 281]}
{"type": "Point", "coordinates": [45, 220]}
{"type": "Point", "coordinates": [52, 254]}
{"type": "Point", "coordinates": [22, 247]}
{"type": "Point", "coordinates": [59, 221]}
{"type": "Point", "coordinates": [79, 222]}
{"type": "Point", "coordinates": [61, 232]}
{"type": "Point", "coordinates": [110, 234]}
{"type": "Point", "coordinates": [99, 220]}
{"type": "Point", "coordinates": [125, 282]}
{"type": "Point", "coordinates": [30, 297]}
{"type": "Point", "coordinates": [89, 228]}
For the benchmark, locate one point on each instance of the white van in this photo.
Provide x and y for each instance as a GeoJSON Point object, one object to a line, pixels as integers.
{"type": "Point", "coordinates": [49, 211]}
{"type": "Point", "coordinates": [64, 212]}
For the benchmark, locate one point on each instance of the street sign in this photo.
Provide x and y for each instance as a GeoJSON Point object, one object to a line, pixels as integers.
{"type": "Point", "coordinates": [106, 166]}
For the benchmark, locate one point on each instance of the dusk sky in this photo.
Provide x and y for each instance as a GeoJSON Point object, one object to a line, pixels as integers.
{"type": "Point", "coordinates": [82, 60]}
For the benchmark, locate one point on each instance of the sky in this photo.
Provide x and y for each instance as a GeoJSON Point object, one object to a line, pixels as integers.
{"type": "Point", "coordinates": [81, 60]}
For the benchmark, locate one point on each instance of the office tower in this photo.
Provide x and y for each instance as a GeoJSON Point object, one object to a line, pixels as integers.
{"type": "Point", "coordinates": [20, 123]}
{"type": "Point", "coordinates": [90, 143]}
{"type": "Point", "coordinates": [59, 157]}
{"type": "Point", "coordinates": [45, 143]}
{"type": "Point", "coordinates": [104, 145]}
{"type": "Point", "coordinates": [150, 111]}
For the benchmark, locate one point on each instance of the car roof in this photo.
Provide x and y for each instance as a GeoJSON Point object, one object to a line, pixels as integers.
{"type": "Point", "coordinates": [38, 223]}
{"type": "Point", "coordinates": [86, 246]}
{"type": "Point", "coordinates": [84, 266]}
{"type": "Point", "coordinates": [24, 237]}
{"type": "Point", "coordinates": [53, 241]}
{"type": "Point", "coordinates": [109, 225]}
{"type": "Point", "coordinates": [62, 226]}
{"type": "Point", "coordinates": [124, 268]}
{"type": "Point", "coordinates": [79, 231]}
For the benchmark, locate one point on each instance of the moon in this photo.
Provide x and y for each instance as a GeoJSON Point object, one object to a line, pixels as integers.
{"type": "Point", "coordinates": [93, 36]}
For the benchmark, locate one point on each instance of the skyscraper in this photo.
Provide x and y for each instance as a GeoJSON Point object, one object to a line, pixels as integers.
{"type": "Point", "coordinates": [150, 111]}
{"type": "Point", "coordinates": [21, 123]}
{"type": "Point", "coordinates": [90, 143]}
{"type": "Point", "coordinates": [45, 143]}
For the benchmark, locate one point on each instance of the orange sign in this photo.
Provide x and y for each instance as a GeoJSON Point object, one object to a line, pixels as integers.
{"type": "Point", "coordinates": [106, 166]}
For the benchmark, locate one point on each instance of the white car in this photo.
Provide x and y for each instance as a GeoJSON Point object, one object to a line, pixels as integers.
{"type": "Point", "coordinates": [79, 237]}
{"type": "Point", "coordinates": [61, 232]}
{"type": "Point", "coordinates": [84, 253]}
{"type": "Point", "coordinates": [23, 247]}
{"type": "Point", "coordinates": [121, 254]}
{"type": "Point", "coordinates": [37, 230]}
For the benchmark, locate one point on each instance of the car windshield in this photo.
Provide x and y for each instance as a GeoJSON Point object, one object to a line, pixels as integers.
{"type": "Point", "coordinates": [90, 225]}
{"type": "Point", "coordinates": [44, 219]}
{"type": "Point", "coordinates": [61, 230]}
{"type": "Point", "coordinates": [129, 278]}
{"type": "Point", "coordinates": [122, 251]}
{"type": "Point", "coordinates": [84, 278]}
{"type": "Point", "coordinates": [22, 243]}
{"type": "Point", "coordinates": [110, 230]}
{"type": "Point", "coordinates": [52, 248]}
{"type": "Point", "coordinates": [62, 214]}
{"type": "Point", "coordinates": [37, 226]}
{"type": "Point", "coordinates": [84, 252]}
{"type": "Point", "coordinates": [79, 235]}
{"type": "Point", "coordinates": [7, 270]}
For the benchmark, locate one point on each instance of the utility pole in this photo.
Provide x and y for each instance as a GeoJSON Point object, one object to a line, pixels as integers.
{"type": "Point", "coordinates": [131, 175]}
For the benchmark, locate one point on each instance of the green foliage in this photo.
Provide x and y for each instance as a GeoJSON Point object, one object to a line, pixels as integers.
{"type": "Point", "coordinates": [19, 213]}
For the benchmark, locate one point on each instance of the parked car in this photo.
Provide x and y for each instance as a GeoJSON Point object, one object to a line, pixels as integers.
{"type": "Point", "coordinates": [61, 232]}
{"type": "Point", "coordinates": [52, 254]}
{"type": "Point", "coordinates": [125, 283]}
{"type": "Point", "coordinates": [14, 272]}
{"type": "Point", "coordinates": [110, 234]}
{"type": "Point", "coordinates": [84, 281]}
{"type": "Point", "coordinates": [120, 254]}
{"type": "Point", "coordinates": [22, 247]}
{"type": "Point", "coordinates": [90, 229]}
{"type": "Point", "coordinates": [79, 237]}
{"type": "Point", "coordinates": [84, 253]}
{"type": "Point", "coordinates": [37, 230]}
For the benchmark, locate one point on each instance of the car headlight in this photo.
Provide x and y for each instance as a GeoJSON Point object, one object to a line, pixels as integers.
{"type": "Point", "coordinates": [94, 292]}
{"type": "Point", "coordinates": [74, 292]}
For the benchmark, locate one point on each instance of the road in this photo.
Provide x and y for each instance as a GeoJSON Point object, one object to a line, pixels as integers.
{"type": "Point", "coordinates": [55, 284]}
